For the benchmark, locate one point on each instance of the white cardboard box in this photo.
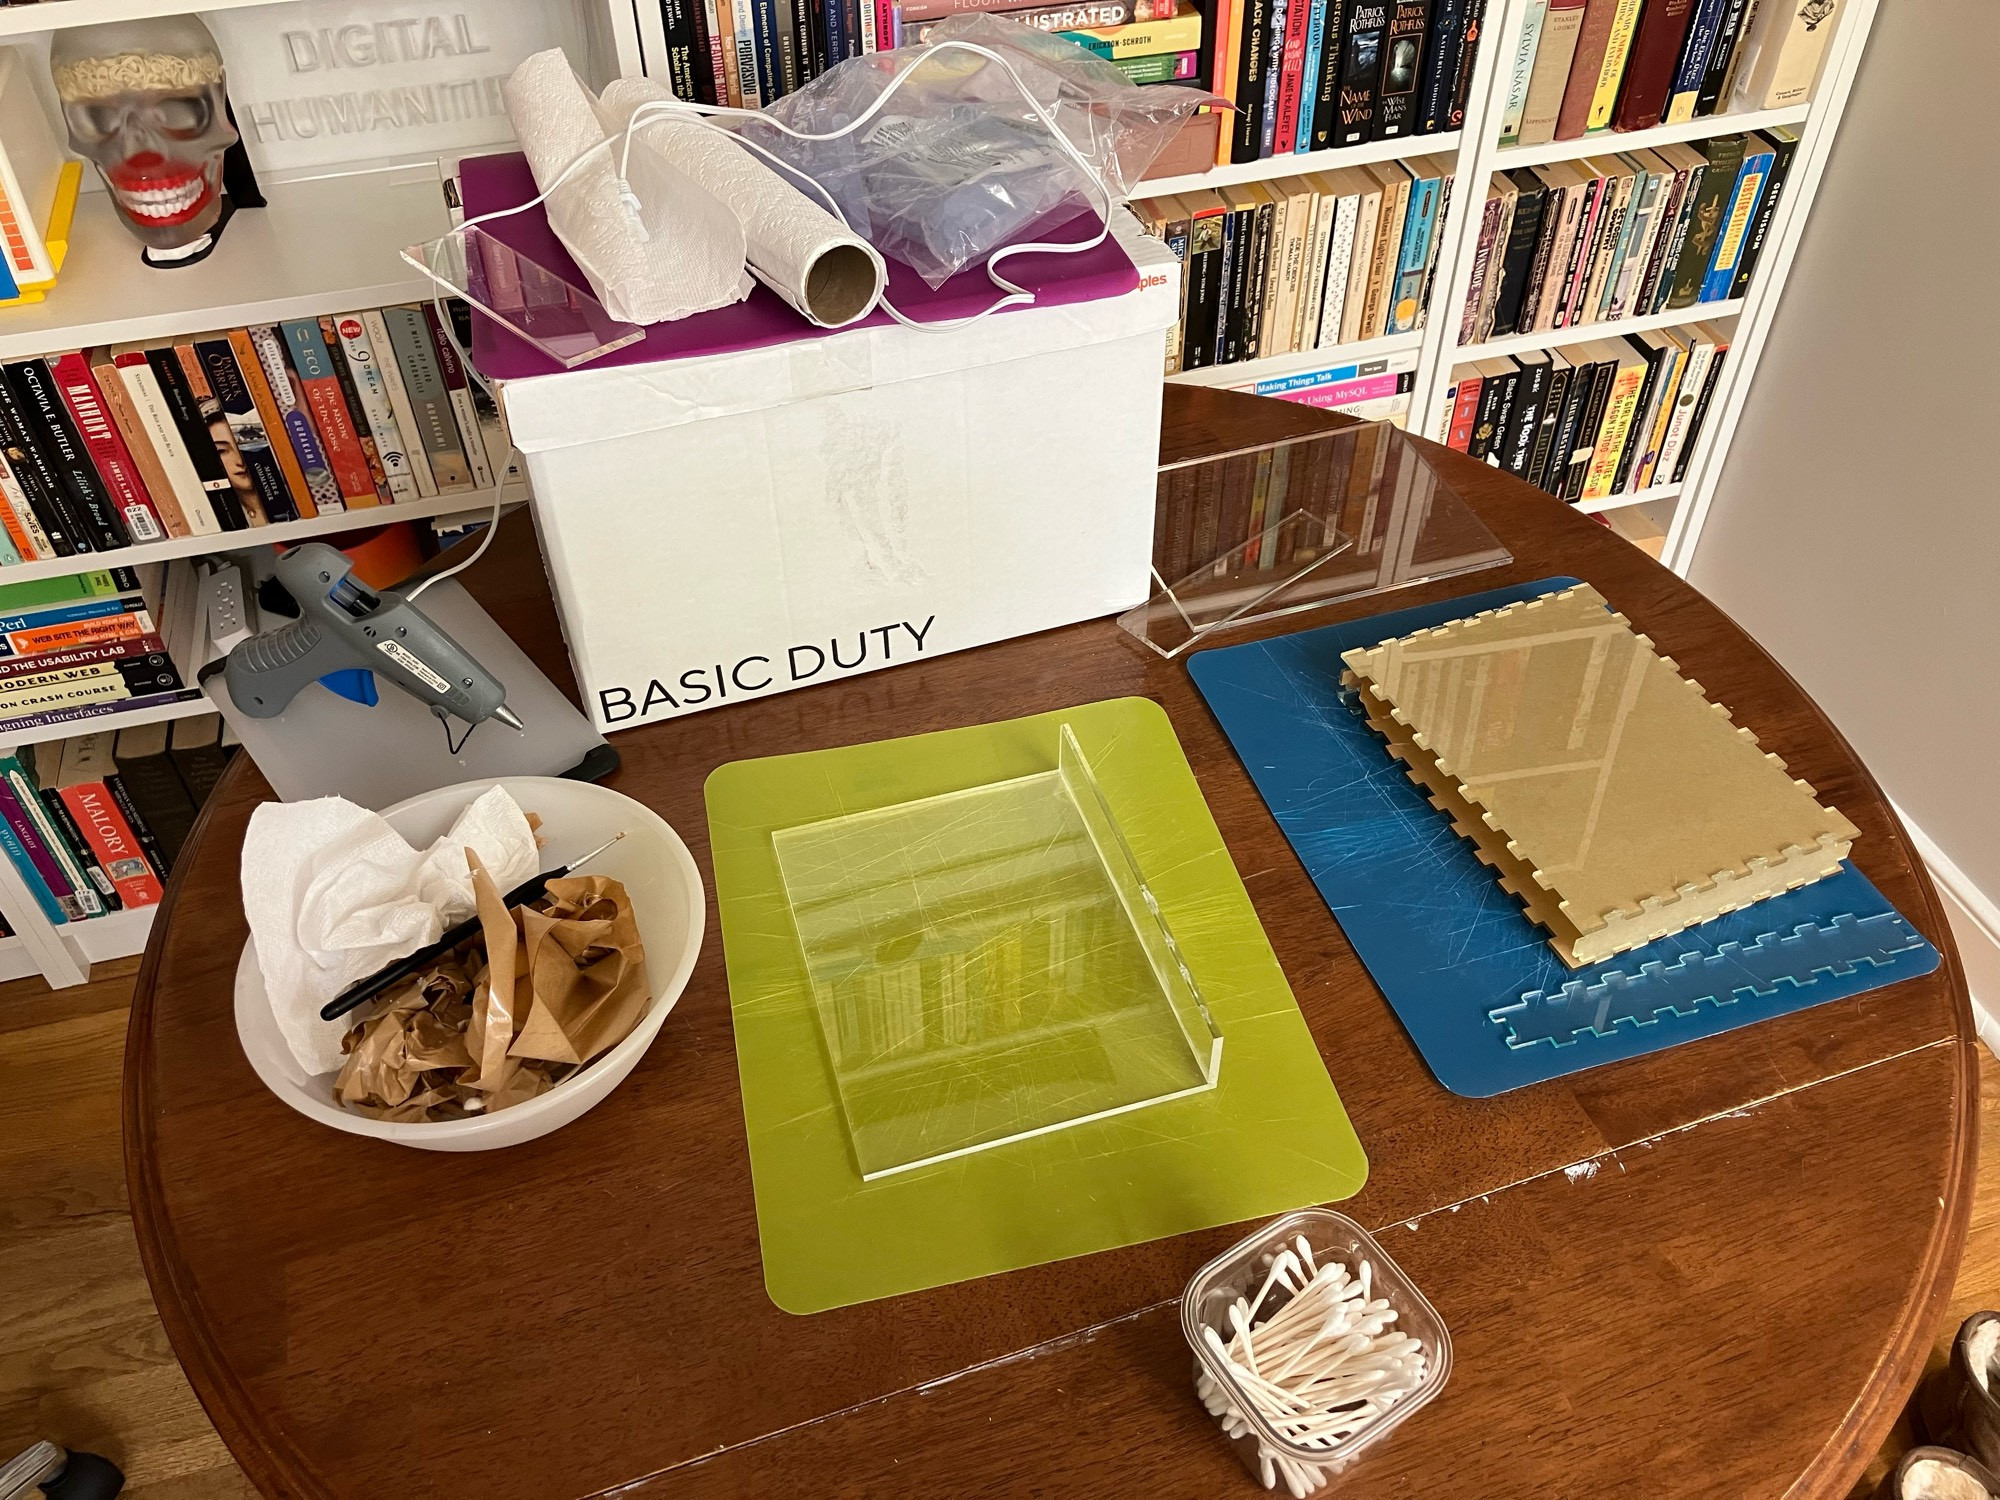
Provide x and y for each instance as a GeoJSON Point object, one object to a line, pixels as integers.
{"type": "Point", "coordinates": [728, 528]}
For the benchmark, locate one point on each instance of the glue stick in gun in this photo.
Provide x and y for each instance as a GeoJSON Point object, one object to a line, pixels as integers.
{"type": "Point", "coordinates": [345, 633]}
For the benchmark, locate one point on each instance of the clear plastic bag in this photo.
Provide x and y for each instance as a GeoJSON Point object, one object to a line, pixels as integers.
{"type": "Point", "coordinates": [956, 163]}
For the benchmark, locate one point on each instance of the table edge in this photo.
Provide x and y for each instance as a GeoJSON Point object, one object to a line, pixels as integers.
{"type": "Point", "coordinates": [272, 1465]}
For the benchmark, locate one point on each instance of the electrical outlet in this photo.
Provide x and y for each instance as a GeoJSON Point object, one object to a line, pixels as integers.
{"type": "Point", "coordinates": [225, 596]}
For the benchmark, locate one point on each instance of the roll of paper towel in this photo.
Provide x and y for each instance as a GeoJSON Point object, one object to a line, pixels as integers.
{"type": "Point", "coordinates": [680, 251]}
{"type": "Point", "coordinates": [803, 253]}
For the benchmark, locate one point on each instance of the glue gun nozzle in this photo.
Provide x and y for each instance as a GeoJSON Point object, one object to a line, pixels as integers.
{"type": "Point", "coordinates": [508, 717]}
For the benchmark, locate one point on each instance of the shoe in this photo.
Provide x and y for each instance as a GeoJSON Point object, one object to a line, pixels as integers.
{"type": "Point", "coordinates": [1959, 1406]}
{"type": "Point", "coordinates": [1938, 1474]}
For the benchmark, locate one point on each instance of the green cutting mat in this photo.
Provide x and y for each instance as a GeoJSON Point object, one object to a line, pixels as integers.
{"type": "Point", "coordinates": [1270, 1138]}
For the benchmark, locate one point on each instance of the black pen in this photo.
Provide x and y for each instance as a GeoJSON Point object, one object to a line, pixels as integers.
{"type": "Point", "coordinates": [363, 990]}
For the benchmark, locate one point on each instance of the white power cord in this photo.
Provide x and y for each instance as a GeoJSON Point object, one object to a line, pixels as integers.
{"type": "Point", "coordinates": [1013, 294]}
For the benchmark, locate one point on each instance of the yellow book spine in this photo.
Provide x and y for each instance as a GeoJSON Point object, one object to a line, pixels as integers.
{"type": "Point", "coordinates": [1624, 21]}
{"type": "Point", "coordinates": [1649, 454]}
{"type": "Point", "coordinates": [1618, 413]}
{"type": "Point", "coordinates": [1232, 52]}
{"type": "Point", "coordinates": [1731, 244]}
{"type": "Point", "coordinates": [1143, 38]}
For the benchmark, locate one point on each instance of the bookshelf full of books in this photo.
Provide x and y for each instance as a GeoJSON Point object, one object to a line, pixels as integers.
{"type": "Point", "coordinates": [1589, 317]}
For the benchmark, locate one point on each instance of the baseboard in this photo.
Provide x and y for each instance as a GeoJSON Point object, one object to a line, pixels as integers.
{"type": "Point", "coordinates": [1975, 928]}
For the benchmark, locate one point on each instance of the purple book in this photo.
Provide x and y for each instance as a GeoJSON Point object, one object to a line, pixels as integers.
{"type": "Point", "coordinates": [489, 183]}
{"type": "Point", "coordinates": [98, 710]}
{"type": "Point", "coordinates": [30, 835]}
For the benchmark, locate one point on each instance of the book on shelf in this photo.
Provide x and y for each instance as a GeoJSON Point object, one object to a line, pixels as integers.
{"type": "Point", "coordinates": [154, 786]}
{"type": "Point", "coordinates": [71, 826]}
{"type": "Point", "coordinates": [1548, 71]}
{"type": "Point", "coordinates": [1521, 70]}
{"type": "Point", "coordinates": [1309, 262]}
{"type": "Point", "coordinates": [1781, 53]}
{"type": "Point", "coordinates": [1650, 68]}
{"type": "Point", "coordinates": [45, 765]}
{"type": "Point", "coordinates": [1702, 42]}
{"type": "Point", "coordinates": [1587, 67]}
{"type": "Point", "coordinates": [1605, 238]}
{"type": "Point", "coordinates": [1592, 420]}
{"type": "Point", "coordinates": [117, 446]}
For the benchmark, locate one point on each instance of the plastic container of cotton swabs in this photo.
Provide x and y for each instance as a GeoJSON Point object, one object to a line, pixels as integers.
{"type": "Point", "coordinates": [1311, 1346]}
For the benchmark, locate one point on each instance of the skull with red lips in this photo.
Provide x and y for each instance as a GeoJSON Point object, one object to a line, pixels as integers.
{"type": "Point", "coordinates": [146, 101]}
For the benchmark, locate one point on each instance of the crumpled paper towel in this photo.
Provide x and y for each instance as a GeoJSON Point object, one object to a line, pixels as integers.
{"type": "Point", "coordinates": [333, 893]}
{"type": "Point", "coordinates": [828, 273]}
{"type": "Point", "coordinates": [679, 252]}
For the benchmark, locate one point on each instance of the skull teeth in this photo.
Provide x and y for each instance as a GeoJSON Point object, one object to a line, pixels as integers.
{"type": "Point", "coordinates": [162, 202]}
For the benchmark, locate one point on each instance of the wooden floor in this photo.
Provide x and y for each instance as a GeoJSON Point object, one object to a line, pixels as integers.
{"type": "Point", "coordinates": [83, 1359]}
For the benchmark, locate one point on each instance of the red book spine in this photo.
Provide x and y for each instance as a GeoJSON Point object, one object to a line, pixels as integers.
{"type": "Point", "coordinates": [343, 445]}
{"type": "Point", "coordinates": [1584, 67]}
{"type": "Point", "coordinates": [108, 453]}
{"type": "Point", "coordinates": [111, 839]}
{"type": "Point", "coordinates": [1464, 414]}
{"type": "Point", "coordinates": [1649, 70]}
{"type": "Point", "coordinates": [1291, 79]}
{"type": "Point", "coordinates": [81, 656]}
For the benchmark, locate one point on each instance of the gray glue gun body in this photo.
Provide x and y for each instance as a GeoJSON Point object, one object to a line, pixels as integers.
{"type": "Point", "coordinates": [344, 632]}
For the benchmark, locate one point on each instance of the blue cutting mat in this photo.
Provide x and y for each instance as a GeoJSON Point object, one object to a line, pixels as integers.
{"type": "Point", "coordinates": [1474, 982]}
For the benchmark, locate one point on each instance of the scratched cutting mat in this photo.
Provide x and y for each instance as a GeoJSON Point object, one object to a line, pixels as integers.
{"type": "Point", "coordinates": [1473, 981]}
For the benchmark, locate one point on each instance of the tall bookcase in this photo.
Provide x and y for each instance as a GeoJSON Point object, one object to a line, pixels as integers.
{"type": "Point", "coordinates": [1476, 147]}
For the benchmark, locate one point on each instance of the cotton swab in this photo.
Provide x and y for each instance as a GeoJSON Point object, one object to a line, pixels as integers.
{"type": "Point", "coordinates": [1318, 1370]}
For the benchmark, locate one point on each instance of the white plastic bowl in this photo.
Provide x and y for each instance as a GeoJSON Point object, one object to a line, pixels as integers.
{"type": "Point", "coordinates": [577, 816]}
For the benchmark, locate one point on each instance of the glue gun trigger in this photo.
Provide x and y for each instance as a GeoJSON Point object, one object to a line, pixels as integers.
{"type": "Point", "coordinates": [353, 684]}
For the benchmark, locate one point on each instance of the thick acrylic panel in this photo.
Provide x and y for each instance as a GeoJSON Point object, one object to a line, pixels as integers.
{"type": "Point", "coordinates": [1288, 526]}
{"type": "Point", "coordinates": [989, 965]}
{"type": "Point", "coordinates": [556, 313]}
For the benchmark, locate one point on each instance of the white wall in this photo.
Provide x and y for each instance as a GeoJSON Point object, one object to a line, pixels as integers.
{"type": "Point", "coordinates": [1856, 527]}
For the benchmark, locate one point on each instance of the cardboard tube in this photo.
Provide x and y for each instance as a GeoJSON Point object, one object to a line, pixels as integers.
{"type": "Point", "coordinates": [828, 273]}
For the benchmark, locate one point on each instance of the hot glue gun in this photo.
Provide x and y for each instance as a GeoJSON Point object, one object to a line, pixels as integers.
{"type": "Point", "coordinates": [345, 634]}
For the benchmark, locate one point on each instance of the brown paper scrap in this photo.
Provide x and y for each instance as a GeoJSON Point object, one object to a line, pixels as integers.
{"type": "Point", "coordinates": [459, 1039]}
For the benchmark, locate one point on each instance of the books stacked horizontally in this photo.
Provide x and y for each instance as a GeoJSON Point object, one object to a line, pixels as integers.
{"type": "Point", "coordinates": [92, 644]}
{"type": "Point", "coordinates": [94, 824]}
{"type": "Point", "coordinates": [1625, 235]}
{"type": "Point", "coordinates": [1584, 66]}
{"type": "Point", "coordinates": [1304, 262]}
{"type": "Point", "coordinates": [1314, 75]}
{"type": "Point", "coordinates": [749, 53]}
{"type": "Point", "coordinates": [111, 447]}
{"type": "Point", "coordinates": [1571, 754]}
{"type": "Point", "coordinates": [1593, 420]}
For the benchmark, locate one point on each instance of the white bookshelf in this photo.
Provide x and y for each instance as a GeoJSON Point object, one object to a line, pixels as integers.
{"type": "Point", "coordinates": [1510, 157]}
{"type": "Point", "coordinates": [1444, 144]}
{"type": "Point", "coordinates": [1577, 333]}
{"type": "Point", "coordinates": [328, 242]}
{"type": "Point", "coordinates": [324, 245]}
{"type": "Point", "coordinates": [1248, 371]}
{"type": "Point", "coordinates": [1478, 154]}
{"type": "Point", "coordinates": [457, 503]}
{"type": "Point", "coordinates": [1652, 494]}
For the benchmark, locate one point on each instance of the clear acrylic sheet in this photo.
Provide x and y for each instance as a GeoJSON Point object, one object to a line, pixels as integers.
{"type": "Point", "coordinates": [551, 309]}
{"type": "Point", "coordinates": [1270, 530]}
{"type": "Point", "coordinates": [989, 965]}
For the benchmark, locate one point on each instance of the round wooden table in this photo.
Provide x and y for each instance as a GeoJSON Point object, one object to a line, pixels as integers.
{"type": "Point", "coordinates": [1714, 1271]}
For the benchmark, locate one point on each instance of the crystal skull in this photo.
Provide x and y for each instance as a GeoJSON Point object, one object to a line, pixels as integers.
{"type": "Point", "coordinates": [147, 103]}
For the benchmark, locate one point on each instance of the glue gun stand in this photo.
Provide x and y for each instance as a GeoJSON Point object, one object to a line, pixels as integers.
{"type": "Point", "coordinates": [327, 744]}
